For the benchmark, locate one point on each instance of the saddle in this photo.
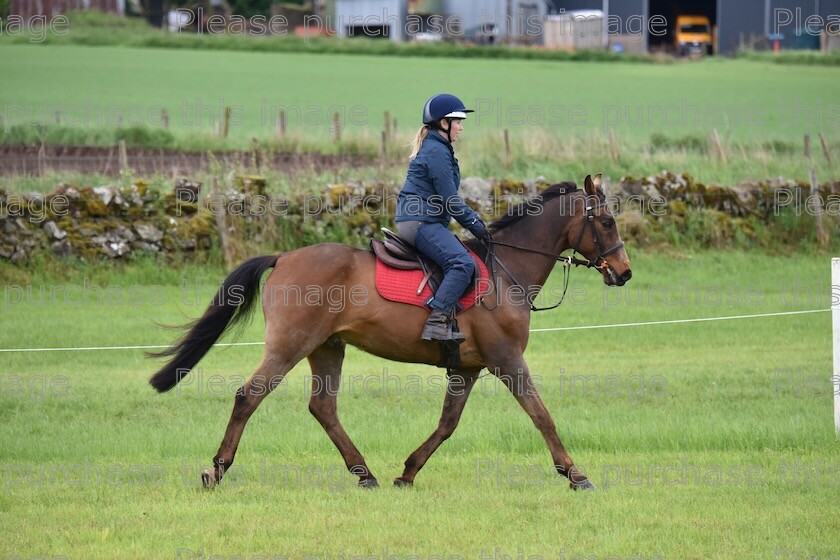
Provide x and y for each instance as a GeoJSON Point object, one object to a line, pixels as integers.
{"type": "Point", "coordinates": [396, 253]}
{"type": "Point", "coordinates": [405, 275]}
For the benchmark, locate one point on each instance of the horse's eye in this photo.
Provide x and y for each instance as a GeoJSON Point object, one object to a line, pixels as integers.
{"type": "Point", "coordinates": [608, 224]}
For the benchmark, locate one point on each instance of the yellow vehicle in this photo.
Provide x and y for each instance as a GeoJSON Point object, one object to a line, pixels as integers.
{"type": "Point", "coordinates": [693, 36]}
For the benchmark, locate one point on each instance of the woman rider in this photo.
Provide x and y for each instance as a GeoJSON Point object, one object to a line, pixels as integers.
{"type": "Point", "coordinates": [427, 203]}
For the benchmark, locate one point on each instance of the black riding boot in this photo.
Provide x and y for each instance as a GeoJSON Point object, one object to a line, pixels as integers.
{"type": "Point", "coordinates": [439, 327]}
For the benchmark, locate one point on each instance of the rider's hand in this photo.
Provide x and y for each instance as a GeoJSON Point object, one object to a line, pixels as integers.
{"type": "Point", "coordinates": [480, 231]}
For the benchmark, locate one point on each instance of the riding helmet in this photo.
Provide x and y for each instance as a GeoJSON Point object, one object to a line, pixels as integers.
{"type": "Point", "coordinates": [443, 106]}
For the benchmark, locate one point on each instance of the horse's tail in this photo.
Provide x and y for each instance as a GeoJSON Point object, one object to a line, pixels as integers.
{"type": "Point", "coordinates": [232, 305]}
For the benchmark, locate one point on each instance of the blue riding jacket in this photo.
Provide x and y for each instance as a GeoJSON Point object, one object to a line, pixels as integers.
{"type": "Point", "coordinates": [430, 192]}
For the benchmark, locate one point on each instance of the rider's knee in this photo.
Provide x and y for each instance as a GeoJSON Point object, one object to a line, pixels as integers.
{"type": "Point", "coordinates": [464, 263]}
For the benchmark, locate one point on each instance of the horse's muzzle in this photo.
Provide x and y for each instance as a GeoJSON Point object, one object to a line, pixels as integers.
{"type": "Point", "coordinates": [624, 278]}
{"type": "Point", "coordinates": [613, 279]}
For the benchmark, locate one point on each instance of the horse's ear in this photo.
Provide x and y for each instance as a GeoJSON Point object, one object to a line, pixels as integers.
{"type": "Point", "coordinates": [588, 186]}
{"type": "Point", "coordinates": [597, 181]}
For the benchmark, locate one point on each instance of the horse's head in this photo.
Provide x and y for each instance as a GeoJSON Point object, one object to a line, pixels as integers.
{"type": "Point", "coordinates": [594, 234]}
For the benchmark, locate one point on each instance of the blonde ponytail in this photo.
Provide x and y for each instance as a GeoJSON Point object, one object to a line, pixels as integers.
{"type": "Point", "coordinates": [418, 140]}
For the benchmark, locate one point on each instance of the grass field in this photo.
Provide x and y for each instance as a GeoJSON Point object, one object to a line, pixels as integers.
{"type": "Point", "coordinates": [560, 115]}
{"type": "Point", "coordinates": [758, 100]}
{"type": "Point", "coordinates": [707, 440]}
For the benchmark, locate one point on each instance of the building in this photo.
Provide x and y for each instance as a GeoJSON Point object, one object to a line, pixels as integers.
{"type": "Point", "coordinates": [399, 20]}
{"type": "Point", "coordinates": [29, 9]}
{"type": "Point", "coordinates": [647, 25]}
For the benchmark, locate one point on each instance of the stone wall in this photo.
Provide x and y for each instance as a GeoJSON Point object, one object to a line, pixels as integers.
{"type": "Point", "coordinates": [110, 222]}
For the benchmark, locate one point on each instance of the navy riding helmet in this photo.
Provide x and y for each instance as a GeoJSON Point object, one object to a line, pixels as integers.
{"type": "Point", "coordinates": [443, 106]}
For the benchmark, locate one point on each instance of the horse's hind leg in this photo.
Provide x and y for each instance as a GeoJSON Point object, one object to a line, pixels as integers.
{"type": "Point", "coordinates": [270, 373]}
{"type": "Point", "coordinates": [457, 391]}
{"type": "Point", "coordinates": [326, 362]}
{"type": "Point", "coordinates": [518, 380]}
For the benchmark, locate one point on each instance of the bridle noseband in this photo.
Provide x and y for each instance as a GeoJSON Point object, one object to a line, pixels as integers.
{"type": "Point", "coordinates": [599, 262]}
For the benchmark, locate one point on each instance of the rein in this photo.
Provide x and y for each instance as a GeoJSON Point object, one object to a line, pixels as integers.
{"type": "Point", "coordinates": [598, 262]}
{"type": "Point", "coordinates": [566, 260]}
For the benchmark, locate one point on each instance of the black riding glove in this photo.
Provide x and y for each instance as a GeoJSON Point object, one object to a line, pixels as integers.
{"type": "Point", "coordinates": [480, 231]}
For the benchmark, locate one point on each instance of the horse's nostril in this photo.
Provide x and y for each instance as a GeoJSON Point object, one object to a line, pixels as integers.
{"type": "Point", "coordinates": [627, 275]}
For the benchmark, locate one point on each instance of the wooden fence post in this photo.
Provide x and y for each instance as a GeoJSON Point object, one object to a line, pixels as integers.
{"type": "Point", "coordinates": [507, 149]}
{"type": "Point", "coordinates": [42, 154]}
{"type": "Point", "coordinates": [614, 153]}
{"type": "Point", "coordinates": [823, 237]}
{"type": "Point", "coordinates": [123, 156]}
{"type": "Point", "coordinates": [718, 146]}
{"type": "Point", "coordinates": [225, 124]}
{"type": "Point", "coordinates": [336, 127]}
{"type": "Point", "coordinates": [281, 124]}
{"type": "Point", "coordinates": [220, 213]}
{"type": "Point", "coordinates": [388, 125]}
{"type": "Point", "coordinates": [164, 118]}
{"type": "Point", "coordinates": [257, 155]}
{"type": "Point", "coordinates": [826, 151]}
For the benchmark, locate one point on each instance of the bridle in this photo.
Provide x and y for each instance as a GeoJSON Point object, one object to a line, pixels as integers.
{"type": "Point", "coordinates": [599, 262]}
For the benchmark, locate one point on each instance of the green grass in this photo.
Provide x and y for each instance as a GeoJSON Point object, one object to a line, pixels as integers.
{"type": "Point", "coordinates": [794, 57]}
{"type": "Point", "coordinates": [559, 114]}
{"type": "Point", "coordinates": [756, 100]}
{"type": "Point", "coordinates": [738, 411]}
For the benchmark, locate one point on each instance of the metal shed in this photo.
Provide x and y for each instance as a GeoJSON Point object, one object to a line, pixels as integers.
{"type": "Point", "coordinates": [736, 22]}
{"type": "Point", "coordinates": [515, 20]}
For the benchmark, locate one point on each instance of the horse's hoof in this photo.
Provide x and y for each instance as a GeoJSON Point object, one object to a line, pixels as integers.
{"type": "Point", "coordinates": [402, 483]}
{"type": "Point", "coordinates": [369, 483]}
{"type": "Point", "coordinates": [585, 485]}
{"type": "Point", "coordinates": [209, 478]}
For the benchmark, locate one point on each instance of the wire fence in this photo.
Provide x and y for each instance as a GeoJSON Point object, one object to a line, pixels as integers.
{"type": "Point", "coordinates": [550, 329]}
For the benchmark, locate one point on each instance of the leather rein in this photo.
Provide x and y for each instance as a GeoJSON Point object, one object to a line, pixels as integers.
{"type": "Point", "coordinates": [598, 262]}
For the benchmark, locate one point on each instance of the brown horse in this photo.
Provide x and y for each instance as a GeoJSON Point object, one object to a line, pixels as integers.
{"type": "Point", "coordinates": [528, 242]}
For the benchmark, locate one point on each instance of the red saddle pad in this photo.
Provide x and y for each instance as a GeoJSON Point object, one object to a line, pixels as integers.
{"type": "Point", "coordinates": [401, 285]}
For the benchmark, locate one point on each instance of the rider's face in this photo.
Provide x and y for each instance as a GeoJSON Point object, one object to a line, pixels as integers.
{"type": "Point", "coordinates": [455, 128]}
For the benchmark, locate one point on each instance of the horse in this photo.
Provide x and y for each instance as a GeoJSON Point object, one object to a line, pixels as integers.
{"type": "Point", "coordinates": [526, 244]}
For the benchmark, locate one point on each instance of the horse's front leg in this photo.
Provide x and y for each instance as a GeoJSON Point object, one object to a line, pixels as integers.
{"type": "Point", "coordinates": [517, 379]}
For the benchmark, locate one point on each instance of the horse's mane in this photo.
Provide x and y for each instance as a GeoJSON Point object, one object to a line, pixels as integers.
{"type": "Point", "coordinates": [532, 206]}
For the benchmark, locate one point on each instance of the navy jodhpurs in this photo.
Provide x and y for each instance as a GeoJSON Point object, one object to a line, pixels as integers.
{"type": "Point", "coordinates": [439, 244]}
